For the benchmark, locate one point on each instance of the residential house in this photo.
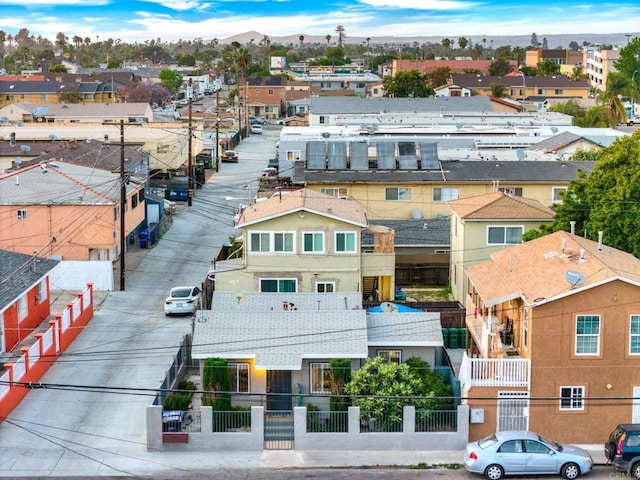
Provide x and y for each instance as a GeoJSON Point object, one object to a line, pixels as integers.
{"type": "Point", "coordinates": [518, 86]}
{"type": "Point", "coordinates": [68, 211]}
{"type": "Point", "coordinates": [598, 63]}
{"type": "Point", "coordinates": [454, 66]}
{"type": "Point", "coordinates": [553, 327]}
{"type": "Point", "coordinates": [307, 241]}
{"type": "Point", "coordinates": [74, 113]}
{"type": "Point", "coordinates": [46, 92]}
{"type": "Point", "coordinates": [485, 223]}
{"type": "Point", "coordinates": [265, 97]}
{"type": "Point", "coordinates": [24, 296]}
{"type": "Point", "coordinates": [344, 82]}
{"type": "Point", "coordinates": [534, 56]}
{"type": "Point", "coordinates": [565, 144]}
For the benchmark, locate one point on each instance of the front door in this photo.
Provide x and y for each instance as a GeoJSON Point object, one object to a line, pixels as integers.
{"type": "Point", "coordinates": [513, 411]}
{"type": "Point", "coordinates": [279, 390]}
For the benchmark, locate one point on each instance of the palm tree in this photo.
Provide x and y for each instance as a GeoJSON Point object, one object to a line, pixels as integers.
{"type": "Point", "coordinates": [301, 38]}
{"type": "Point", "coordinates": [328, 39]}
{"type": "Point", "coordinates": [617, 85]}
{"type": "Point", "coordinates": [341, 35]}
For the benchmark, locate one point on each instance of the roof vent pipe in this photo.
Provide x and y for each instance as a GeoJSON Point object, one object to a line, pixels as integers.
{"type": "Point", "coordinates": [564, 244]}
{"type": "Point", "coordinates": [600, 234]}
{"type": "Point", "coordinates": [573, 227]}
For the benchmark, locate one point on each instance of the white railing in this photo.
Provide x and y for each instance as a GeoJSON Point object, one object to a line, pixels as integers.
{"type": "Point", "coordinates": [495, 372]}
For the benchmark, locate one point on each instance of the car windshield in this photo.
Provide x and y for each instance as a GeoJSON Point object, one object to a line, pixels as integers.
{"type": "Point", "coordinates": [181, 293]}
{"type": "Point", "coordinates": [487, 441]}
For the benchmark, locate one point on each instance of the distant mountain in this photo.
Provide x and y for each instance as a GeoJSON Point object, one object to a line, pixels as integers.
{"type": "Point", "coordinates": [553, 40]}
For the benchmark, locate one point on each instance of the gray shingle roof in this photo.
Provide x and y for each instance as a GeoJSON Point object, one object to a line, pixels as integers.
{"type": "Point", "coordinates": [410, 232]}
{"type": "Point", "coordinates": [358, 105]}
{"type": "Point", "coordinates": [18, 273]}
{"type": "Point", "coordinates": [404, 329]}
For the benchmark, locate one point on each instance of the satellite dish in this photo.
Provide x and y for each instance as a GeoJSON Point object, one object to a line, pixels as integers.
{"type": "Point", "coordinates": [416, 214]}
{"type": "Point", "coordinates": [17, 161]}
{"type": "Point", "coordinates": [458, 126]}
{"type": "Point", "coordinates": [52, 137]}
{"type": "Point", "coordinates": [25, 148]}
{"type": "Point", "coordinates": [326, 134]}
{"type": "Point", "coordinates": [388, 307]}
{"type": "Point", "coordinates": [554, 130]}
{"type": "Point", "coordinates": [574, 278]}
{"type": "Point", "coordinates": [520, 154]}
{"type": "Point", "coordinates": [20, 123]}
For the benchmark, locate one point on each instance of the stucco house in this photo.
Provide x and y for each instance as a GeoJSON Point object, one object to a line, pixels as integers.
{"type": "Point", "coordinates": [485, 223]}
{"type": "Point", "coordinates": [24, 296]}
{"type": "Point", "coordinates": [307, 241]}
{"type": "Point", "coordinates": [74, 113]}
{"type": "Point", "coordinates": [554, 347]}
{"type": "Point", "coordinates": [68, 211]}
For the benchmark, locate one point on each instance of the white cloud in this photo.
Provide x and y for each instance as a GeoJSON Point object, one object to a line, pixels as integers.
{"type": "Point", "coordinates": [422, 4]}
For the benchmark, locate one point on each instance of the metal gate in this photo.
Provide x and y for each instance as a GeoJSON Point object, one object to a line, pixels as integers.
{"type": "Point", "coordinates": [513, 411]}
{"type": "Point", "coordinates": [278, 430]}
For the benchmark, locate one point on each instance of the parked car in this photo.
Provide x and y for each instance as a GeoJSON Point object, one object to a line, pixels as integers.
{"type": "Point", "coordinates": [622, 448]}
{"type": "Point", "coordinates": [229, 156]}
{"type": "Point", "coordinates": [258, 121]}
{"type": "Point", "coordinates": [182, 300]}
{"type": "Point", "coordinates": [523, 452]}
{"type": "Point", "coordinates": [256, 129]}
{"type": "Point", "coordinates": [632, 120]}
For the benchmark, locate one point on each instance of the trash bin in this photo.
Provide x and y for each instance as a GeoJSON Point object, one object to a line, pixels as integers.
{"type": "Point", "coordinates": [152, 235]}
{"type": "Point", "coordinates": [144, 238]}
{"type": "Point", "coordinates": [172, 420]}
{"type": "Point", "coordinates": [445, 337]}
{"type": "Point", "coordinates": [453, 338]}
{"type": "Point", "coordinates": [462, 337]}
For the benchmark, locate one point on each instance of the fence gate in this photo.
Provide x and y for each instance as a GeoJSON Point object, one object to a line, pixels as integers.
{"type": "Point", "coordinates": [513, 411]}
{"type": "Point", "coordinates": [278, 430]}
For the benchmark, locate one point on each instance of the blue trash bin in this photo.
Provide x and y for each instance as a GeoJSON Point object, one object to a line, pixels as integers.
{"type": "Point", "coordinates": [144, 238]}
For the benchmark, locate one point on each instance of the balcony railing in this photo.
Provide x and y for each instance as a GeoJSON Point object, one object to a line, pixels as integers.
{"type": "Point", "coordinates": [495, 372]}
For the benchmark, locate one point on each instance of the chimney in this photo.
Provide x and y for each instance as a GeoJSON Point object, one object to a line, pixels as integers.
{"type": "Point", "coordinates": [573, 227]}
{"type": "Point", "coordinates": [600, 234]}
{"type": "Point", "coordinates": [564, 244]}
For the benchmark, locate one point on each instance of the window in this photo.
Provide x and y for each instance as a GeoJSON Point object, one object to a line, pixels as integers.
{"type": "Point", "coordinates": [513, 191]}
{"type": "Point", "coordinates": [511, 446]}
{"type": "Point", "coordinates": [345, 242]}
{"type": "Point", "coordinates": [445, 194]}
{"type": "Point", "coordinates": [398, 194]}
{"type": "Point", "coordinates": [22, 308]}
{"type": "Point", "coordinates": [587, 334]}
{"type": "Point", "coordinates": [556, 192]}
{"type": "Point", "coordinates": [325, 287]}
{"type": "Point", "coordinates": [634, 335]}
{"type": "Point", "coordinates": [293, 155]}
{"type": "Point", "coordinates": [283, 242]}
{"type": "Point", "coordinates": [533, 446]}
{"type": "Point", "coordinates": [116, 213]}
{"type": "Point", "coordinates": [259, 242]}
{"type": "Point", "coordinates": [504, 235]}
{"type": "Point", "coordinates": [313, 242]}
{"type": "Point", "coordinates": [277, 285]}
{"type": "Point", "coordinates": [163, 148]}
{"type": "Point", "coordinates": [322, 119]}
{"type": "Point", "coordinates": [239, 373]}
{"type": "Point", "coordinates": [141, 195]}
{"type": "Point", "coordinates": [320, 377]}
{"type": "Point", "coordinates": [22, 214]}
{"type": "Point", "coordinates": [134, 201]}
{"type": "Point", "coordinates": [390, 356]}
{"type": "Point", "coordinates": [525, 328]}
{"type": "Point", "coordinates": [571, 398]}
{"type": "Point", "coordinates": [274, 242]}
{"type": "Point", "coordinates": [542, 91]}
{"type": "Point", "coordinates": [334, 192]}
{"type": "Point", "coordinates": [42, 291]}
{"type": "Point", "coordinates": [558, 91]}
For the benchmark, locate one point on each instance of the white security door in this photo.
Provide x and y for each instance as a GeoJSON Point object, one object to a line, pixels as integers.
{"type": "Point", "coordinates": [513, 411]}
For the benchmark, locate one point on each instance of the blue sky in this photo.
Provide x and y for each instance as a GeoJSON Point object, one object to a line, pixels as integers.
{"type": "Point", "coordinates": [170, 20]}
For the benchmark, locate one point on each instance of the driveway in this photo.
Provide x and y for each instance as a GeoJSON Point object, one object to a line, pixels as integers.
{"type": "Point", "coordinates": [90, 418]}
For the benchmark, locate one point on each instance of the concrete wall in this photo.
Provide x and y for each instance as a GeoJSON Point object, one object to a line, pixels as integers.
{"type": "Point", "coordinates": [352, 440]}
{"type": "Point", "coordinates": [74, 275]}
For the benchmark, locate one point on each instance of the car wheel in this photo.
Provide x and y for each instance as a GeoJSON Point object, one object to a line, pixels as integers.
{"type": "Point", "coordinates": [571, 471]}
{"type": "Point", "coordinates": [635, 470]}
{"type": "Point", "coordinates": [494, 472]}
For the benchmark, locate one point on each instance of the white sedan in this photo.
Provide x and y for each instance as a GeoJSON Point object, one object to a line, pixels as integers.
{"type": "Point", "coordinates": [182, 300]}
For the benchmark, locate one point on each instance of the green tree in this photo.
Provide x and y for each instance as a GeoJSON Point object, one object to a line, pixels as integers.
{"type": "Point", "coordinates": [407, 84]}
{"type": "Point", "coordinates": [439, 76]}
{"type": "Point", "coordinates": [628, 63]}
{"type": "Point", "coordinates": [69, 94]}
{"type": "Point", "coordinates": [616, 86]}
{"type": "Point", "coordinates": [498, 90]}
{"type": "Point", "coordinates": [499, 67]}
{"type": "Point", "coordinates": [547, 67]}
{"type": "Point", "coordinates": [58, 67]}
{"type": "Point", "coordinates": [216, 381]}
{"type": "Point", "coordinates": [463, 42]}
{"type": "Point", "coordinates": [170, 80]}
{"type": "Point", "coordinates": [534, 43]}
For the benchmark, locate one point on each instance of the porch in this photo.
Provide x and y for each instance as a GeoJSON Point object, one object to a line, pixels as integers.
{"type": "Point", "coordinates": [494, 372]}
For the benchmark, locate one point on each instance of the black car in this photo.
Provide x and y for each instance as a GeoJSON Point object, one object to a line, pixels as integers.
{"type": "Point", "coordinates": [623, 448]}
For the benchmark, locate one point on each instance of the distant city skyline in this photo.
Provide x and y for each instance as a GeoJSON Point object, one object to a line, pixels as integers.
{"type": "Point", "coordinates": [171, 20]}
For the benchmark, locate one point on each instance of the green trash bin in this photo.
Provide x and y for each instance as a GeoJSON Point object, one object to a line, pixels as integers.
{"type": "Point", "coordinates": [445, 337]}
{"type": "Point", "coordinates": [453, 338]}
{"type": "Point", "coordinates": [462, 337]}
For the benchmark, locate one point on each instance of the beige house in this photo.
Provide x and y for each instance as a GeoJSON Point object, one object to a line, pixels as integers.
{"type": "Point", "coordinates": [484, 224]}
{"type": "Point", "coordinates": [553, 327]}
{"type": "Point", "coordinates": [306, 241]}
{"type": "Point", "coordinates": [73, 113]}
{"type": "Point", "coordinates": [67, 211]}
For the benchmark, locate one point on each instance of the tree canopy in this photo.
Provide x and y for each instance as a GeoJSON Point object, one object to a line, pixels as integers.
{"type": "Point", "coordinates": [408, 84]}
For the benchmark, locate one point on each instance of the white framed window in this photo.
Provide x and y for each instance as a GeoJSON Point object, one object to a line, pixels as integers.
{"type": "Point", "coordinates": [42, 291]}
{"type": "Point", "coordinates": [445, 194]}
{"type": "Point", "coordinates": [390, 356]}
{"type": "Point", "coordinates": [504, 235]}
{"type": "Point", "coordinates": [239, 373]}
{"type": "Point", "coordinates": [525, 327]}
{"type": "Point", "coordinates": [634, 335]}
{"type": "Point", "coordinates": [325, 287]}
{"type": "Point", "coordinates": [313, 242]}
{"type": "Point", "coordinates": [22, 308]}
{"type": "Point", "coordinates": [293, 155]}
{"type": "Point", "coordinates": [587, 334]}
{"type": "Point", "coordinates": [320, 380]}
{"type": "Point", "coordinates": [22, 214]}
{"type": "Point", "coordinates": [272, 242]}
{"type": "Point", "coordinates": [571, 398]}
{"type": "Point", "coordinates": [345, 242]}
{"type": "Point", "coordinates": [556, 192]}
{"type": "Point", "coordinates": [334, 192]}
{"type": "Point", "coordinates": [276, 285]}
{"type": "Point", "coordinates": [397, 194]}
{"type": "Point", "coordinates": [513, 191]}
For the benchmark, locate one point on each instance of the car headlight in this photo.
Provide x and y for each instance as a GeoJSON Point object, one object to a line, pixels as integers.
{"type": "Point", "coordinates": [588, 459]}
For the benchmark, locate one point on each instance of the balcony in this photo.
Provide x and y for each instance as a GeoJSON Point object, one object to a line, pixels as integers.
{"type": "Point", "coordinates": [494, 372]}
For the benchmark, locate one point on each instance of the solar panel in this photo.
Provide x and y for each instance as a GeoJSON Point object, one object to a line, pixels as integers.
{"type": "Point", "coordinates": [386, 155]}
{"type": "Point", "coordinates": [316, 156]}
{"type": "Point", "coordinates": [429, 156]}
{"type": "Point", "coordinates": [337, 153]}
{"type": "Point", "coordinates": [359, 155]}
{"type": "Point", "coordinates": [407, 159]}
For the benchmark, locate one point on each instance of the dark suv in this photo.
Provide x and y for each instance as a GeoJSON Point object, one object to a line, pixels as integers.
{"type": "Point", "coordinates": [623, 448]}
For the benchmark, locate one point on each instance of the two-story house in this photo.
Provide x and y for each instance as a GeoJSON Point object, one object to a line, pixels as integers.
{"type": "Point", "coordinates": [485, 223]}
{"type": "Point", "coordinates": [554, 339]}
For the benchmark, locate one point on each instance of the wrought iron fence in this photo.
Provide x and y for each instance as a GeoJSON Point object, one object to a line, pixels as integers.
{"type": "Point", "coordinates": [232, 421]}
{"type": "Point", "coordinates": [371, 422]}
{"type": "Point", "coordinates": [327, 421]}
{"type": "Point", "coordinates": [436, 420]}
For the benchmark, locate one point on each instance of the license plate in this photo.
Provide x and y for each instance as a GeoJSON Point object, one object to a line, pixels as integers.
{"type": "Point", "coordinates": [180, 305]}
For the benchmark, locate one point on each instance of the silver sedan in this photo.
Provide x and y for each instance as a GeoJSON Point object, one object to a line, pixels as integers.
{"type": "Point", "coordinates": [525, 453]}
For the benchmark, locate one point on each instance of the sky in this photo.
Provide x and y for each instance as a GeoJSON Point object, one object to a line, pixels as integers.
{"type": "Point", "coordinates": [171, 20]}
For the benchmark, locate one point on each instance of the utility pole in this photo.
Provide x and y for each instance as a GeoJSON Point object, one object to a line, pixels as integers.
{"type": "Point", "coordinates": [123, 203]}
{"type": "Point", "coordinates": [217, 129]}
{"type": "Point", "coordinates": [190, 174]}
